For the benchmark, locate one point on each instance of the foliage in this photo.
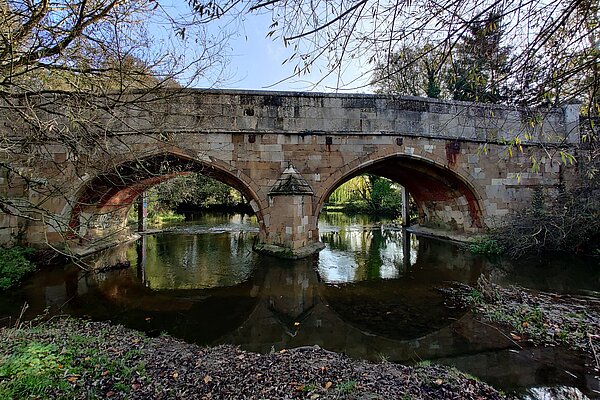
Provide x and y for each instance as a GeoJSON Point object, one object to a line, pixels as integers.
{"type": "Point", "coordinates": [566, 221]}
{"type": "Point", "coordinates": [485, 245]}
{"type": "Point", "coordinates": [195, 190]}
{"type": "Point", "coordinates": [479, 63]}
{"type": "Point", "coordinates": [543, 318]}
{"type": "Point", "coordinates": [369, 194]}
{"type": "Point", "coordinates": [346, 387]}
{"type": "Point", "coordinates": [14, 265]}
{"type": "Point", "coordinates": [472, 70]}
{"type": "Point", "coordinates": [186, 192]}
{"type": "Point", "coordinates": [70, 67]}
{"type": "Point", "coordinates": [413, 71]}
{"type": "Point", "coordinates": [553, 45]}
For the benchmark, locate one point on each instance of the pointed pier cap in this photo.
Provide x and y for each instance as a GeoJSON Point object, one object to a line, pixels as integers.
{"type": "Point", "coordinates": [291, 183]}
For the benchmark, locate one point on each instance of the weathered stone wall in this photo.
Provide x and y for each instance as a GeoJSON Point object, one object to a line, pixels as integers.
{"type": "Point", "coordinates": [453, 158]}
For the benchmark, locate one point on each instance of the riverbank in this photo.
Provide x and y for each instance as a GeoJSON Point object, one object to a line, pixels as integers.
{"type": "Point", "coordinates": [77, 359]}
{"type": "Point", "coordinates": [528, 317]}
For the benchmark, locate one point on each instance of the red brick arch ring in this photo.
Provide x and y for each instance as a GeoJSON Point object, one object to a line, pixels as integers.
{"type": "Point", "coordinates": [117, 189]}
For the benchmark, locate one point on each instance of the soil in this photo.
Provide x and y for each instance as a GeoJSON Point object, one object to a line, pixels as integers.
{"type": "Point", "coordinates": [167, 368]}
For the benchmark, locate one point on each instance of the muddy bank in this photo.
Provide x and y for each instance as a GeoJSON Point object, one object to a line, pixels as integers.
{"type": "Point", "coordinates": [71, 358]}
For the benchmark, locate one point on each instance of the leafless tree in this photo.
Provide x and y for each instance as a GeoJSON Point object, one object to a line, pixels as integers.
{"type": "Point", "coordinates": [65, 65]}
{"type": "Point", "coordinates": [555, 45]}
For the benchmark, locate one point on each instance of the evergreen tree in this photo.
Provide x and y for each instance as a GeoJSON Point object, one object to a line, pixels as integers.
{"type": "Point", "coordinates": [480, 63]}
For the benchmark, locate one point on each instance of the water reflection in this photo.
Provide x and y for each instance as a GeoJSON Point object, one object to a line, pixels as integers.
{"type": "Point", "coordinates": [361, 296]}
{"type": "Point", "coordinates": [194, 261]}
{"type": "Point", "coordinates": [354, 255]}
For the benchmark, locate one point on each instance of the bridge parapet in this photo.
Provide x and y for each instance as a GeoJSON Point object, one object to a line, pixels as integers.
{"type": "Point", "coordinates": [231, 111]}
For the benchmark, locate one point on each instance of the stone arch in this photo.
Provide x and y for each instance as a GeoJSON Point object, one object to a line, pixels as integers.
{"type": "Point", "coordinates": [445, 196]}
{"type": "Point", "coordinates": [102, 202]}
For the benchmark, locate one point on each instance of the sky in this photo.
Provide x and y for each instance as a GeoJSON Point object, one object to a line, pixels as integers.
{"type": "Point", "coordinates": [255, 61]}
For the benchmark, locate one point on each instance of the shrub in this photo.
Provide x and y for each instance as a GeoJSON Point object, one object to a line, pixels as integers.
{"type": "Point", "coordinates": [565, 221]}
{"type": "Point", "coordinates": [14, 265]}
{"type": "Point", "coordinates": [485, 245]}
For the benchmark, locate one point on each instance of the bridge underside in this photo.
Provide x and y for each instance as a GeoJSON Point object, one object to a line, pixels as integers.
{"type": "Point", "coordinates": [103, 203]}
{"type": "Point", "coordinates": [443, 199]}
{"type": "Point", "coordinates": [100, 211]}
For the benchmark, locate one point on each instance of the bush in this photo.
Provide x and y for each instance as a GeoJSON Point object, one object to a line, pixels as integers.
{"type": "Point", "coordinates": [485, 245]}
{"type": "Point", "coordinates": [14, 265]}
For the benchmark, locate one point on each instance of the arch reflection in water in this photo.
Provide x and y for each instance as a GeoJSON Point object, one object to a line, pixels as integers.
{"type": "Point", "coordinates": [195, 261]}
{"type": "Point", "coordinates": [357, 250]}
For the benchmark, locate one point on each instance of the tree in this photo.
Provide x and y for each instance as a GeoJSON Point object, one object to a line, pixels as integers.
{"type": "Point", "coordinates": [196, 190]}
{"type": "Point", "coordinates": [480, 63]}
{"type": "Point", "coordinates": [559, 36]}
{"type": "Point", "coordinates": [62, 61]}
{"type": "Point", "coordinates": [412, 72]}
{"type": "Point", "coordinates": [371, 194]}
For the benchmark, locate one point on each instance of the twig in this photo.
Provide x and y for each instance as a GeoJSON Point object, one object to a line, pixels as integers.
{"type": "Point", "coordinates": [23, 309]}
{"type": "Point", "coordinates": [593, 349]}
{"type": "Point", "coordinates": [502, 333]}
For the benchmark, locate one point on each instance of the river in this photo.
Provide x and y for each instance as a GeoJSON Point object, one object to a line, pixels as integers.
{"type": "Point", "coordinates": [375, 292]}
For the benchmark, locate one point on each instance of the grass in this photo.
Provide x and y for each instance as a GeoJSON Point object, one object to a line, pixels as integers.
{"type": "Point", "coordinates": [346, 387]}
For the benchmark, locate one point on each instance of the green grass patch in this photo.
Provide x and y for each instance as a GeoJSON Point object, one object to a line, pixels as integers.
{"type": "Point", "coordinates": [60, 369]}
{"type": "Point", "coordinates": [346, 387]}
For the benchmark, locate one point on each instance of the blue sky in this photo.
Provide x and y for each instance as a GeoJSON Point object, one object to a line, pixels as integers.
{"type": "Point", "coordinates": [255, 62]}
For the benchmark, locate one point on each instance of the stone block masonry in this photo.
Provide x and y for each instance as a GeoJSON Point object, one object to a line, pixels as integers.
{"type": "Point", "coordinates": [452, 157]}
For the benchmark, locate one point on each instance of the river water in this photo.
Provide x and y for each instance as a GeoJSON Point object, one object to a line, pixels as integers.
{"type": "Point", "coordinates": [375, 292]}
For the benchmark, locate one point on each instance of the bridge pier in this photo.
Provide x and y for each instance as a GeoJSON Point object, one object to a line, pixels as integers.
{"type": "Point", "coordinates": [405, 208]}
{"type": "Point", "coordinates": [142, 212]}
{"type": "Point", "coordinates": [291, 227]}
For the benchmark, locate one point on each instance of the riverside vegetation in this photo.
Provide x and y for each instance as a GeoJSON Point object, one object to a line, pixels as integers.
{"type": "Point", "coordinates": [15, 264]}
{"type": "Point", "coordinates": [534, 318]}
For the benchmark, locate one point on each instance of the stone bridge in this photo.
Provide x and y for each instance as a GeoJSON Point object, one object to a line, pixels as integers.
{"type": "Point", "coordinates": [466, 166]}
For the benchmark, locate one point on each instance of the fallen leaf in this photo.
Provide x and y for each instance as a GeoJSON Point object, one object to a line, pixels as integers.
{"type": "Point", "coordinates": [104, 373]}
{"type": "Point", "coordinates": [175, 375]}
{"type": "Point", "coordinates": [525, 324]}
{"type": "Point", "coordinates": [296, 323]}
{"type": "Point", "coordinates": [72, 379]}
{"type": "Point", "coordinates": [515, 336]}
{"type": "Point", "coordinates": [282, 351]}
{"type": "Point", "coordinates": [110, 393]}
{"type": "Point", "coordinates": [207, 379]}
{"type": "Point", "coordinates": [439, 381]}
{"type": "Point", "coordinates": [328, 385]}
